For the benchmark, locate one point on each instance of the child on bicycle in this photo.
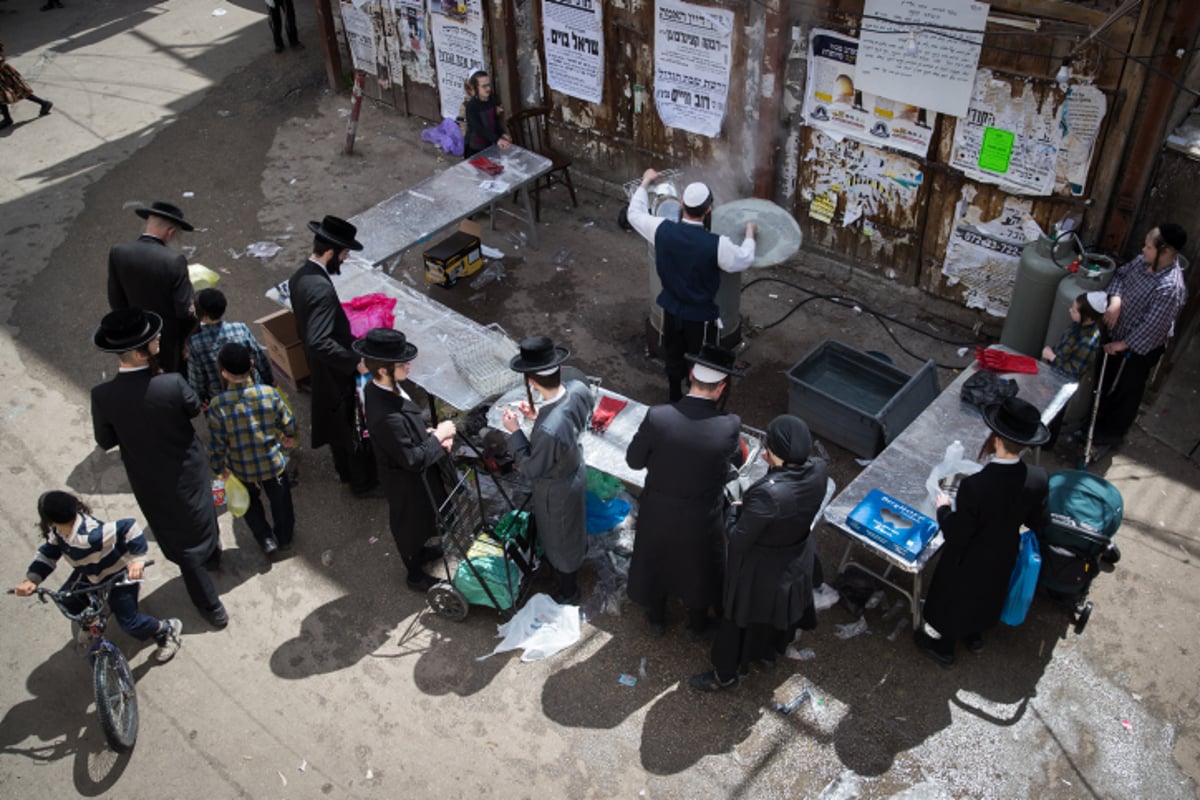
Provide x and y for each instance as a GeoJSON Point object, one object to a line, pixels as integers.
{"type": "Point", "coordinates": [98, 550]}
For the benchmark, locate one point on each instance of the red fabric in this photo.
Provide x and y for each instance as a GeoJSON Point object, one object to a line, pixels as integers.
{"type": "Point", "coordinates": [999, 361]}
{"type": "Point", "coordinates": [370, 311]}
{"type": "Point", "coordinates": [486, 165]}
{"type": "Point", "coordinates": [606, 410]}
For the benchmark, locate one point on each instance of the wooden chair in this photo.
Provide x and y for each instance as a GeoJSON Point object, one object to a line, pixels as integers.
{"type": "Point", "coordinates": [528, 129]}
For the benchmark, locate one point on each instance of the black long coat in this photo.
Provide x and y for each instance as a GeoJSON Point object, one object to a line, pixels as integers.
{"type": "Point", "coordinates": [982, 534]}
{"type": "Point", "coordinates": [687, 449]}
{"type": "Point", "coordinates": [148, 274]}
{"type": "Point", "coordinates": [324, 330]}
{"type": "Point", "coordinates": [407, 456]}
{"type": "Point", "coordinates": [770, 554]}
{"type": "Point", "coordinates": [150, 419]}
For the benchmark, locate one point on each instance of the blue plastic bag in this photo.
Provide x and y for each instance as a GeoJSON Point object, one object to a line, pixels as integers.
{"type": "Point", "coordinates": [604, 515]}
{"type": "Point", "coordinates": [1023, 581]}
{"type": "Point", "coordinates": [446, 135]}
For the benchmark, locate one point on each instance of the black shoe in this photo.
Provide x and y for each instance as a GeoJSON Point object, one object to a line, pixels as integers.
{"type": "Point", "coordinates": [269, 546]}
{"type": "Point", "coordinates": [279, 47]}
{"type": "Point", "coordinates": [297, 45]}
{"type": "Point", "coordinates": [286, 547]}
{"type": "Point", "coordinates": [374, 492]}
{"type": "Point", "coordinates": [430, 553]}
{"type": "Point", "coordinates": [217, 616]}
{"type": "Point", "coordinates": [763, 664]}
{"type": "Point", "coordinates": [709, 682]}
{"type": "Point", "coordinates": [46, 106]}
{"type": "Point", "coordinates": [927, 645]}
{"type": "Point", "coordinates": [5, 123]}
{"type": "Point", "coordinates": [975, 642]}
{"type": "Point", "coordinates": [567, 599]}
{"type": "Point", "coordinates": [422, 583]}
{"type": "Point", "coordinates": [707, 634]}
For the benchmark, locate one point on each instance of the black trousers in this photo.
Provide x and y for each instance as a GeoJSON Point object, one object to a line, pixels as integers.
{"type": "Point", "coordinates": [735, 647]}
{"type": "Point", "coordinates": [279, 495]}
{"type": "Point", "coordinates": [277, 12]}
{"type": "Point", "coordinates": [354, 465]}
{"type": "Point", "coordinates": [683, 337]}
{"type": "Point", "coordinates": [1125, 380]}
{"type": "Point", "coordinates": [200, 587]}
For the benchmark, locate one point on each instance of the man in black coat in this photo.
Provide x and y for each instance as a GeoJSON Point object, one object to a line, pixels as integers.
{"type": "Point", "coordinates": [983, 533]}
{"type": "Point", "coordinates": [407, 452]}
{"type": "Point", "coordinates": [770, 558]}
{"type": "Point", "coordinates": [688, 449]}
{"type": "Point", "coordinates": [149, 416]}
{"type": "Point", "coordinates": [324, 330]}
{"type": "Point", "coordinates": [148, 274]}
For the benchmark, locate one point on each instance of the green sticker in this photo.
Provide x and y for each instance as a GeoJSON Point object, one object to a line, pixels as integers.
{"type": "Point", "coordinates": [996, 150]}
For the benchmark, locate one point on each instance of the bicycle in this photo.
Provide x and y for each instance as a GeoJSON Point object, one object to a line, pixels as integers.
{"type": "Point", "coordinates": [116, 695]}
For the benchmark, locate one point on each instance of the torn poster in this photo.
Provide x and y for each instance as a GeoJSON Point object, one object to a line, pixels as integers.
{"type": "Point", "coordinates": [693, 48]}
{"type": "Point", "coordinates": [458, 42]}
{"type": "Point", "coordinates": [360, 35]}
{"type": "Point", "coordinates": [573, 40]}
{"type": "Point", "coordinates": [983, 255]}
{"type": "Point", "coordinates": [833, 103]}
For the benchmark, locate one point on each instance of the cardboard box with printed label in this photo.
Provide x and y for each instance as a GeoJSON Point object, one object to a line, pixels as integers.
{"type": "Point", "coordinates": [288, 361]}
{"type": "Point", "coordinates": [455, 257]}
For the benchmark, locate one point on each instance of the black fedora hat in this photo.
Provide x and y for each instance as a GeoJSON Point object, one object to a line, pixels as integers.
{"type": "Point", "coordinates": [716, 358]}
{"type": "Point", "coordinates": [1018, 421]}
{"type": "Point", "coordinates": [538, 353]}
{"type": "Point", "coordinates": [166, 211]}
{"type": "Point", "coordinates": [338, 231]}
{"type": "Point", "coordinates": [385, 344]}
{"type": "Point", "coordinates": [126, 329]}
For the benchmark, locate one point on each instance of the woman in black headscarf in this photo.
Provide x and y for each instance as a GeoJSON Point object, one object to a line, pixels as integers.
{"type": "Point", "coordinates": [769, 559]}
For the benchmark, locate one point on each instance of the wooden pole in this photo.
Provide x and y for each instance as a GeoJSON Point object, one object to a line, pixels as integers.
{"type": "Point", "coordinates": [329, 46]}
{"type": "Point", "coordinates": [355, 108]}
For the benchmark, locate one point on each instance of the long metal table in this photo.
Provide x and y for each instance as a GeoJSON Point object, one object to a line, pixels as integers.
{"type": "Point", "coordinates": [422, 211]}
{"type": "Point", "coordinates": [904, 465]}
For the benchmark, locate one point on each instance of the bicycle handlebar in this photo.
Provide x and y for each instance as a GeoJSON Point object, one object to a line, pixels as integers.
{"type": "Point", "coordinates": [111, 582]}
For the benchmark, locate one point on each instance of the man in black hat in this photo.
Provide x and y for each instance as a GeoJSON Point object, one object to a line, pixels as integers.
{"type": "Point", "coordinates": [770, 558]}
{"type": "Point", "coordinates": [689, 260]}
{"type": "Point", "coordinates": [324, 330]}
{"type": "Point", "coordinates": [407, 451]}
{"type": "Point", "coordinates": [982, 531]}
{"type": "Point", "coordinates": [149, 417]}
{"type": "Point", "coordinates": [148, 274]}
{"type": "Point", "coordinates": [551, 457]}
{"type": "Point", "coordinates": [687, 449]}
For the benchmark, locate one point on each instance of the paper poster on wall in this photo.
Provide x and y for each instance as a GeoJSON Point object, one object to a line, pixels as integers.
{"type": "Point", "coordinates": [693, 53]}
{"type": "Point", "coordinates": [573, 40]}
{"type": "Point", "coordinates": [360, 35]}
{"type": "Point", "coordinates": [939, 71]}
{"type": "Point", "coordinates": [459, 49]}
{"type": "Point", "coordinates": [408, 41]}
{"type": "Point", "coordinates": [983, 255]}
{"type": "Point", "coordinates": [833, 103]}
{"type": "Point", "coordinates": [1080, 118]}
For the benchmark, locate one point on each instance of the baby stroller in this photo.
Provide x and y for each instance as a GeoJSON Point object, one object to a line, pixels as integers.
{"type": "Point", "coordinates": [1085, 513]}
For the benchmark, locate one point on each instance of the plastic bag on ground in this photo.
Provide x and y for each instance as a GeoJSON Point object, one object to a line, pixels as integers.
{"type": "Point", "coordinates": [541, 628]}
{"type": "Point", "coordinates": [604, 515]}
{"type": "Point", "coordinates": [446, 135]}
{"type": "Point", "coordinates": [603, 485]}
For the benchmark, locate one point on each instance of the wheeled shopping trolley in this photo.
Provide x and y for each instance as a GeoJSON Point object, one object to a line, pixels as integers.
{"type": "Point", "coordinates": [1085, 514]}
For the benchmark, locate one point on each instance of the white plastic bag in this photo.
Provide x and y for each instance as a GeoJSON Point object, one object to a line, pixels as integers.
{"type": "Point", "coordinates": [954, 463]}
{"type": "Point", "coordinates": [541, 628]}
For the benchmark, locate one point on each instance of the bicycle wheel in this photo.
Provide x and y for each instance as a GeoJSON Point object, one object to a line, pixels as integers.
{"type": "Point", "coordinates": [116, 698]}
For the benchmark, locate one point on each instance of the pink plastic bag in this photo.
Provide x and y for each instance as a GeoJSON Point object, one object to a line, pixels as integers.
{"type": "Point", "coordinates": [370, 311]}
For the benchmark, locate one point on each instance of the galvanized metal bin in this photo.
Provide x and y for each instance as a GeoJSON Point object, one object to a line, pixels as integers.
{"type": "Point", "coordinates": [856, 400]}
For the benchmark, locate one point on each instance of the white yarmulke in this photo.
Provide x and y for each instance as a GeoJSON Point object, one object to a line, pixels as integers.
{"type": "Point", "coordinates": [707, 374]}
{"type": "Point", "coordinates": [1098, 301]}
{"type": "Point", "coordinates": [696, 194]}
{"type": "Point", "coordinates": [545, 372]}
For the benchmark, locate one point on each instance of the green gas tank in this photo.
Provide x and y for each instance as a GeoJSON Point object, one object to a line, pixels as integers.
{"type": "Point", "coordinates": [1094, 275]}
{"type": "Point", "coordinates": [1043, 265]}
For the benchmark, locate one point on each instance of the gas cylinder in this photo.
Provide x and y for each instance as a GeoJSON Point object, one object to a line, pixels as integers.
{"type": "Point", "coordinates": [1043, 265]}
{"type": "Point", "coordinates": [1094, 274]}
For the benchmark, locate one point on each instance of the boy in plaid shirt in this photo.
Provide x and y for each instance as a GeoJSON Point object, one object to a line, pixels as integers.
{"type": "Point", "coordinates": [203, 373]}
{"type": "Point", "coordinates": [249, 426]}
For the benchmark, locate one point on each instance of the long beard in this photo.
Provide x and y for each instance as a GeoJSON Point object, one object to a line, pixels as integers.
{"type": "Point", "coordinates": [334, 267]}
{"type": "Point", "coordinates": [155, 366]}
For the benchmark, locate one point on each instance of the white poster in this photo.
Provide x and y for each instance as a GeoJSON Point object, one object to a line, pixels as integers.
{"type": "Point", "coordinates": [458, 43]}
{"type": "Point", "coordinates": [983, 254]}
{"type": "Point", "coordinates": [834, 104]}
{"type": "Point", "coordinates": [693, 52]}
{"type": "Point", "coordinates": [1080, 118]}
{"type": "Point", "coordinates": [939, 71]}
{"type": "Point", "coordinates": [360, 35]}
{"type": "Point", "coordinates": [573, 40]}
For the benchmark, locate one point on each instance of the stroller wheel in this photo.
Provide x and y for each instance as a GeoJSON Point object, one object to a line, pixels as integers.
{"type": "Point", "coordinates": [1111, 554]}
{"type": "Point", "coordinates": [447, 602]}
{"type": "Point", "coordinates": [1081, 619]}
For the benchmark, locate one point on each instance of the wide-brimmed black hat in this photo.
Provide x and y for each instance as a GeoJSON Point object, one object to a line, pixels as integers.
{"type": "Point", "coordinates": [126, 329]}
{"type": "Point", "coordinates": [538, 353]}
{"type": "Point", "coordinates": [1018, 421]}
{"type": "Point", "coordinates": [167, 212]}
{"type": "Point", "coordinates": [338, 231]}
{"type": "Point", "coordinates": [716, 358]}
{"type": "Point", "coordinates": [385, 344]}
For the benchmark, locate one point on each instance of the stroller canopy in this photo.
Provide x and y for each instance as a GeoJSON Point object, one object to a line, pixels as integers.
{"type": "Point", "coordinates": [1090, 502]}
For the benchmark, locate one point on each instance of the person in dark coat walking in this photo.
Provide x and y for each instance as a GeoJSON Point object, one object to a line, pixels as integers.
{"type": "Point", "coordinates": [770, 558]}
{"type": "Point", "coordinates": [982, 531]}
{"type": "Point", "coordinates": [277, 11]}
{"type": "Point", "coordinates": [325, 333]}
{"type": "Point", "coordinates": [551, 457]}
{"type": "Point", "coordinates": [688, 449]}
{"type": "Point", "coordinates": [408, 452]}
{"type": "Point", "coordinates": [148, 274]}
{"type": "Point", "coordinates": [149, 416]}
{"type": "Point", "coordinates": [13, 88]}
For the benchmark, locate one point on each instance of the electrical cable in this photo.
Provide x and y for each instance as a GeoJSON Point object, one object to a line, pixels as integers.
{"type": "Point", "coordinates": [851, 303]}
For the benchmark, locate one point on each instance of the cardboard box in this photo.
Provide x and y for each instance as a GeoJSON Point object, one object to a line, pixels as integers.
{"type": "Point", "coordinates": [886, 521]}
{"type": "Point", "coordinates": [455, 257]}
{"type": "Point", "coordinates": [284, 350]}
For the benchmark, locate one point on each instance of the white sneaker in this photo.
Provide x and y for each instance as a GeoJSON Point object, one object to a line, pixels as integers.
{"type": "Point", "coordinates": [170, 644]}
